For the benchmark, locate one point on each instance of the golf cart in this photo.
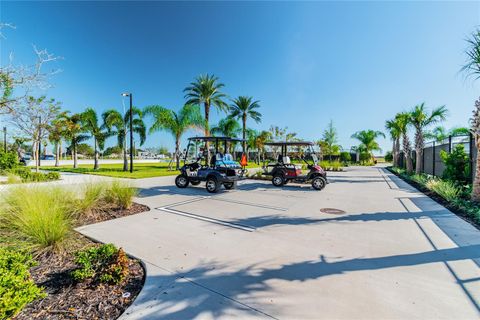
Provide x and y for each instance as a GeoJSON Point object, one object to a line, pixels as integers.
{"type": "Point", "coordinates": [220, 170]}
{"type": "Point", "coordinates": [282, 170]}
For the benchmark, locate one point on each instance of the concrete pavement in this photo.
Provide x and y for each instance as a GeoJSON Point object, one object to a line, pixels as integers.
{"type": "Point", "coordinates": [265, 252]}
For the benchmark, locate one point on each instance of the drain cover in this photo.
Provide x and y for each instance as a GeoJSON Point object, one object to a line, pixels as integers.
{"type": "Point", "coordinates": [332, 211]}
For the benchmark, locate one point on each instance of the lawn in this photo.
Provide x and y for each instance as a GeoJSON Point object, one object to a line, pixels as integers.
{"type": "Point", "coordinates": [140, 170]}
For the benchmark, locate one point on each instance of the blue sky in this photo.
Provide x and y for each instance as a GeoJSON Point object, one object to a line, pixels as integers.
{"type": "Point", "coordinates": [357, 63]}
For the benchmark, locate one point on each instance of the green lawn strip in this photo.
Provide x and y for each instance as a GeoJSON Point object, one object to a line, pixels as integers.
{"type": "Point", "coordinates": [140, 170]}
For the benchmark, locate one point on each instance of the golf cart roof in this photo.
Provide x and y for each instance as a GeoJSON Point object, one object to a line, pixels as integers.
{"type": "Point", "coordinates": [216, 139]}
{"type": "Point", "coordinates": [289, 143]}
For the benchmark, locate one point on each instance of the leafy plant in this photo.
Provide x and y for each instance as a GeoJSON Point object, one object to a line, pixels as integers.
{"type": "Point", "coordinates": [421, 179]}
{"type": "Point", "coordinates": [27, 175]}
{"type": "Point", "coordinates": [8, 160]}
{"type": "Point", "coordinates": [457, 168]}
{"type": "Point", "coordinates": [40, 217]}
{"type": "Point", "coordinates": [120, 194]}
{"type": "Point", "coordinates": [345, 156]}
{"type": "Point", "coordinates": [446, 189]}
{"type": "Point", "coordinates": [389, 156]}
{"type": "Point", "coordinates": [104, 263]}
{"type": "Point", "coordinates": [17, 289]}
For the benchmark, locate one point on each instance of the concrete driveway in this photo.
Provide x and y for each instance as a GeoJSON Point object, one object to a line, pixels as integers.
{"type": "Point", "coordinates": [265, 252]}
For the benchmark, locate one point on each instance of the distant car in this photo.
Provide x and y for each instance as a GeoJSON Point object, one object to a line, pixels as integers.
{"type": "Point", "coordinates": [48, 157]}
{"type": "Point", "coordinates": [24, 159]}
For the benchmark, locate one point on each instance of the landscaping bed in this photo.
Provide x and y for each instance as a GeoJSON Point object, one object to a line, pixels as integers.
{"type": "Point", "coordinates": [68, 299]}
{"type": "Point", "coordinates": [461, 206]}
{"type": "Point", "coordinates": [50, 271]}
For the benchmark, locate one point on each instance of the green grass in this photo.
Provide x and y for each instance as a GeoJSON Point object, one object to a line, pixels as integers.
{"type": "Point", "coordinates": [140, 170]}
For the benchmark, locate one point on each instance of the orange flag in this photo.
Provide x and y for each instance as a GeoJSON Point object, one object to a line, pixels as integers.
{"type": "Point", "coordinates": [243, 162]}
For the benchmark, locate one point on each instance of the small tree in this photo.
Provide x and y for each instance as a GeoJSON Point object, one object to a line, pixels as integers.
{"type": "Point", "coordinates": [457, 168]}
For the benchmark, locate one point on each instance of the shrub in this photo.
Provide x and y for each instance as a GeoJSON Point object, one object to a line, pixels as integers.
{"type": "Point", "coordinates": [40, 217]}
{"type": "Point", "coordinates": [17, 289]}
{"type": "Point", "coordinates": [104, 263]}
{"type": "Point", "coordinates": [331, 165]}
{"type": "Point", "coordinates": [92, 197]}
{"type": "Point", "coordinates": [345, 156]}
{"type": "Point", "coordinates": [444, 188]}
{"type": "Point", "coordinates": [12, 178]}
{"type": "Point", "coordinates": [120, 194]}
{"type": "Point", "coordinates": [28, 175]}
{"type": "Point", "coordinates": [8, 160]}
{"type": "Point", "coordinates": [389, 156]}
{"type": "Point", "coordinates": [457, 168]}
{"type": "Point", "coordinates": [420, 178]}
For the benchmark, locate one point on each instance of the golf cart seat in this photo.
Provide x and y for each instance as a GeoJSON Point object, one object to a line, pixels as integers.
{"type": "Point", "coordinates": [227, 161]}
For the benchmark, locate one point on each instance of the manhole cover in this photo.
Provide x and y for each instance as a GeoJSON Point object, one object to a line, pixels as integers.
{"type": "Point", "coordinates": [332, 211]}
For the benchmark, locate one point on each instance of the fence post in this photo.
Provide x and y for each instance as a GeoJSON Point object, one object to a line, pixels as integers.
{"type": "Point", "coordinates": [450, 144]}
{"type": "Point", "coordinates": [433, 157]}
{"type": "Point", "coordinates": [423, 159]}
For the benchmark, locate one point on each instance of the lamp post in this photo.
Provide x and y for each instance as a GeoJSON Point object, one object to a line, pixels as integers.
{"type": "Point", "coordinates": [39, 140]}
{"type": "Point", "coordinates": [131, 130]}
{"type": "Point", "coordinates": [5, 139]}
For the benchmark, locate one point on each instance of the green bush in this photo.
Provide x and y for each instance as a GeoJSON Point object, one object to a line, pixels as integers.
{"type": "Point", "coordinates": [40, 217]}
{"type": "Point", "coordinates": [331, 165]}
{"type": "Point", "coordinates": [27, 175]}
{"type": "Point", "coordinates": [457, 167]}
{"type": "Point", "coordinates": [120, 194]}
{"type": "Point", "coordinates": [444, 188]}
{"type": "Point", "coordinates": [17, 289]}
{"type": "Point", "coordinates": [345, 156]}
{"type": "Point", "coordinates": [389, 156]}
{"type": "Point", "coordinates": [8, 160]}
{"type": "Point", "coordinates": [104, 263]}
{"type": "Point", "coordinates": [421, 179]}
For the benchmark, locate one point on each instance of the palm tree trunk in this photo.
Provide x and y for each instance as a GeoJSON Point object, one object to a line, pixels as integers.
{"type": "Point", "coordinates": [397, 152]}
{"type": "Point", "coordinates": [75, 158]}
{"type": "Point", "coordinates": [177, 152]}
{"type": "Point", "coordinates": [406, 151]}
{"type": "Point", "coordinates": [476, 181]}
{"type": "Point", "coordinates": [244, 122]}
{"type": "Point", "coordinates": [95, 161]}
{"type": "Point", "coordinates": [57, 154]}
{"type": "Point", "coordinates": [207, 128]}
{"type": "Point", "coordinates": [419, 151]}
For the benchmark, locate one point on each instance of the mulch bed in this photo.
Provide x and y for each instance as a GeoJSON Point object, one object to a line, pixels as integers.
{"type": "Point", "coordinates": [114, 213]}
{"type": "Point", "coordinates": [434, 196]}
{"type": "Point", "coordinates": [67, 299]}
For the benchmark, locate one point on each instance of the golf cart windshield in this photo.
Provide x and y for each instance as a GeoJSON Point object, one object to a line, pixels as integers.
{"type": "Point", "coordinates": [291, 152]}
{"type": "Point", "coordinates": [221, 151]}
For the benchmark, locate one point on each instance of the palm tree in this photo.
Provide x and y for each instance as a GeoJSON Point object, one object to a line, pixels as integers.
{"type": "Point", "coordinates": [73, 129]}
{"type": "Point", "coordinates": [420, 119]}
{"type": "Point", "coordinates": [97, 132]}
{"type": "Point", "coordinates": [368, 141]}
{"type": "Point", "coordinates": [175, 122]}
{"type": "Point", "coordinates": [119, 125]}
{"type": "Point", "coordinates": [402, 120]}
{"type": "Point", "coordinates": [56, 133]}
{"type": "Point", "coordinates": [227, 127]}
{"type": "Point", "coordinates": [472, 69]}
{"type": "Point", "coordinates": [395, 133]}
{"type": "Point", "coordinates": [243, 108]}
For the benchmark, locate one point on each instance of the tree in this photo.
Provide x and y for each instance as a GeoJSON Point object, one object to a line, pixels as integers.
{"type": "Point", "coordinates": [243, 108]}
{"type": "Point", "coordinates": [472, 69]}
{"type": "Point", "coordinates": [226, 127]}
{"type": "Point", "coordinates": [74, 130]}
{"type": "Point", "coordinates": [206, 90]}
{"type": "Point", "coordinates": [118, 125]}
{"type": "Point", "coordinates": [97, 132]}
{"type": "Point", "coordinates": [420, 119]}
{"type": "Point", "coordinates": [393, 128]}
{"type": "Point", "coordinates": [56, 135]}
{"type": "Point", "coordinates": [188, 117]}
{"type": "Point", "coordinates": [17, 81]}
{"type": "Point", "coordinates": [33, 117]}
{"type": "Point", "coordinates": [402, 120]}
{"type": "Point", "coordinates": [368, 142]}
{"type": "Point", "coordinates": [330, 137]}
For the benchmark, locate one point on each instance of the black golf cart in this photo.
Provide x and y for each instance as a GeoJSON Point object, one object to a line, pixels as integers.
{"type": "Point", "coordinates": [222, 169]}
{"type": "Point", "coordinates": [282, 170]}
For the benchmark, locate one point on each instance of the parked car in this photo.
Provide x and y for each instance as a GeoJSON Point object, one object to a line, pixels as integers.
{"type": "Point", "coordinates": [25, 158]}
{"type": "Point", "coordinates": [48, 157]}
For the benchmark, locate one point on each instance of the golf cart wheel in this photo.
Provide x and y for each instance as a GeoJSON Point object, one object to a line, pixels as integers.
{"type": "Point", "coordinates": [278, 180]}
{"type": "Point", "coordinates": [212, 185]}
{"type": "Point", "coordinates": [229, 185]}
{"type": "Point", "coordinates": [195, 182]}
{"type": "Point", "coordinates": [318, 183]}
{"type": "Point", "coordinates": [181, 181]}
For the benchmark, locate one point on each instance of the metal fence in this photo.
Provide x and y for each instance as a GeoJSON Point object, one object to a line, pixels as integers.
{"type": "Point", "coordinates": [432, 161]}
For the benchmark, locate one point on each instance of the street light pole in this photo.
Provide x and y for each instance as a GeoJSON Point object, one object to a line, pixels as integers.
{"type": "Point", "coordinates": [5, 139]}
{"type": "Point", "coordinates": [39, 139]}
{"type": "Point", "coordinates": [131, 129]}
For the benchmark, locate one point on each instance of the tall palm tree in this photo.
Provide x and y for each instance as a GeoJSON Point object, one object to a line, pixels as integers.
{"type": "Point", "coordinates": [206, 90]}
{"type": "Point", "coordinates": [176, 123]}
{"type": "Point", "coordinates": [395, 134]}
{"type": "Point", "coordinates": [472, 69]}
{"type": "Point", "coordinates": [119, 125]}
{"type": "Point", "coordinates": [56, 133]}
{"type": "Point", "coordinates": [97, 132]}
{"type": "Point", "coordinates": [74, 130]}
{"type": "Point", "coordinates": [368, 141]}
{"type": "Point", "coordinates": [403, 120]}
{"type": "Point", "coordinates": [420, 119]}
{"type": "Point", "coordinates": [243, 108]}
